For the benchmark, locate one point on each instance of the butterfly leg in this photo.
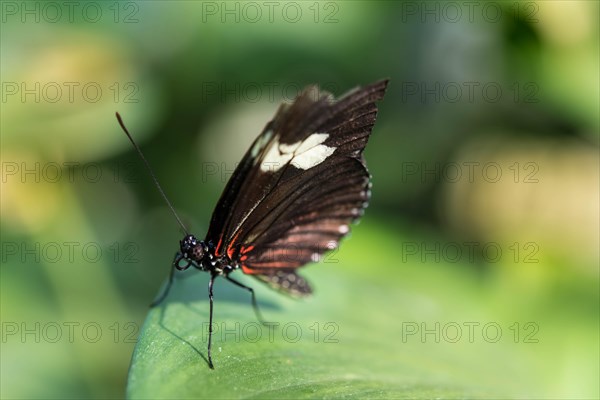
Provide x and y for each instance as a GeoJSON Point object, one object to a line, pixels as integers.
{"type": "Point", "coordinates": [254, 303]}
{"type": "Point", "coordinates": [165, 292]}
{"type": "Point", "coordinates": [210, 325]}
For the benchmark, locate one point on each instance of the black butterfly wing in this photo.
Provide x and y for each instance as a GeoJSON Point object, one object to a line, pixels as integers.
{"type": "Point", "coordinates": [299, 186]}
{"type": "Point", "coordinates": [286, 281]}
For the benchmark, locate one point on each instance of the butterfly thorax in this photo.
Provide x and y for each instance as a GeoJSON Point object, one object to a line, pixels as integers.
{"type": "Point", "coordinates": [197, 253]}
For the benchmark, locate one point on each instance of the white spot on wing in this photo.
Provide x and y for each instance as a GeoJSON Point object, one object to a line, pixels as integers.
{"type": "Point", "coordinates": [274, 159]}
{"type": "Point", "coordinates": [261, 142]}
{"type": "Point", "coordinates": [312, 157]}
{"type": "Point", "coordinates": [303, 154]}
{"type": "Point", "coordinates": [312, 141]}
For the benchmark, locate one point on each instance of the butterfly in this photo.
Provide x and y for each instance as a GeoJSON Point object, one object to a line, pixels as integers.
{"type": "Point", "coordinates": [292, 197]}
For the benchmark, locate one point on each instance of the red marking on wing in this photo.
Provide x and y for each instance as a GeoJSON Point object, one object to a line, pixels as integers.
{"type": "Point", "coordinates": [218, 249]}
{"type": "Point", "coordinates": [249, 271]}
{"type": "Point", "coordinates": [231, 247]}
{"type": "Point", "coordinates": [247, 249]}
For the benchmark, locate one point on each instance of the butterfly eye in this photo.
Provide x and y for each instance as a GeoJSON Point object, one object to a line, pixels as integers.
{"type": "Point", "coordinates": [197, 253]}
{"type": "Point", "coordinates": [187, 245]}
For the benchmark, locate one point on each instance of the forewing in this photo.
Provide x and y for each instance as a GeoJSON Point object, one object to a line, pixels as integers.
{"type": "Point", "coordinates": [300, 185]}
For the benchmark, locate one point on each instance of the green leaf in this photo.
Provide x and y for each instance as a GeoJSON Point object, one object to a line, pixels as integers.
{"type": "Point", "coordinates": [378, 326]}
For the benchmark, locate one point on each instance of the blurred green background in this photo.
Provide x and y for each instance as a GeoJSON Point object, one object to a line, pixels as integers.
{"type": "Point", "coordinates": [484, 159]}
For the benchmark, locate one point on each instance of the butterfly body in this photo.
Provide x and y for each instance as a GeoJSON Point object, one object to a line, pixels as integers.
{"type": "Point", "coordinates": [201, 255]}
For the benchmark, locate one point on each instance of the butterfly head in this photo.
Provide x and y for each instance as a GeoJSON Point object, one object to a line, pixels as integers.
{"type": "Point", "coordinates": [191, 250]}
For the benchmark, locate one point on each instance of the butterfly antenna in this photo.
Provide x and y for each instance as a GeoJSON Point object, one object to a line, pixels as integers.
{"type": "Point", "coordinates": [150, 171]}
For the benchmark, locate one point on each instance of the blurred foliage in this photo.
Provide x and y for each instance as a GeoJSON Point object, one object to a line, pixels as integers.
{"type": "Point", "coordinates": [195, 88]}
